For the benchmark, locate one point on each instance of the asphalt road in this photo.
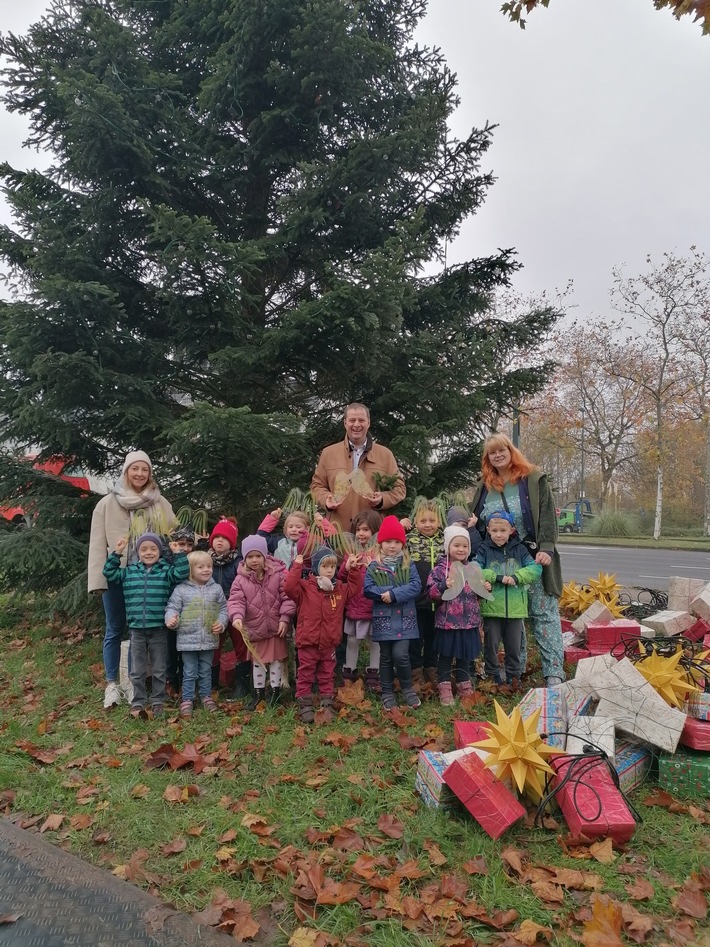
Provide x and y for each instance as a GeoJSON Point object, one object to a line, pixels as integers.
{"type": "Point", "coordinates": [645, 568]}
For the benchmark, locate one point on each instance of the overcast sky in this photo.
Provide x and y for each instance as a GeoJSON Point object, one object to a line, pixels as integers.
{"type": "Point", "coordinates": [603, 146]}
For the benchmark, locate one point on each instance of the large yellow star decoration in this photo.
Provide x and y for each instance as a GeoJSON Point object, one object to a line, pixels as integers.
{"type": "Point", "coordinates": [665, 675]}
{"type": "Point", "coordinates": [517, 752]}
{"type": "Point", "coordinates": [700, 669]}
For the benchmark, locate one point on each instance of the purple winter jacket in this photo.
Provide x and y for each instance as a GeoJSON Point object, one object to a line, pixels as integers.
{"type": "Point", "coordinates": [458, 613]}
{"type": "Point", "coordinates": [261, 605]}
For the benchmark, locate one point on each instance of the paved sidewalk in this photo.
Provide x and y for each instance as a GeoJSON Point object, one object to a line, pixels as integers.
{"type": "Point", "coordinates": [64, 900]}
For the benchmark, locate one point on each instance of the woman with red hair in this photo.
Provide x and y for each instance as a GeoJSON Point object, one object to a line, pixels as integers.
{"type": "Point", "coordinates": [510, 482]}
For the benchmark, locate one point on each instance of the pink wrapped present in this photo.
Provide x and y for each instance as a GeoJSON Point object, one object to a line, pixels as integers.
{"type": "Point", "coordinates": [492, 804]}
{"type": "Point", "coordinates": [467, 732]}
{"type": "Point", "coordinates": [602, 636]}
{"type": "Point", "coordinates": [589, 799]}
{"type": "Point", "coordinates": [696, 734]}
{"type": "Point", "coordinates": [574, 654]}
{"type": "Point", "coordinates": [697, 631]}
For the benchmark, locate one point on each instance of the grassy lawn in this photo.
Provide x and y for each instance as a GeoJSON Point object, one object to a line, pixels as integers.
{"type": "Point", "coordinates": [638, 542]}
{"type": "Point", "coordinates": [314, 836]}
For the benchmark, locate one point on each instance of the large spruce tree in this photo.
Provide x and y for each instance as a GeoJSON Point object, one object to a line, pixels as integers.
{"type": "Point", "coordinates": [240, 230]}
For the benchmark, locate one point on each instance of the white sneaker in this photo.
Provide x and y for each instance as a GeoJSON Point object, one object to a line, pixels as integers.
{"type": "Point", "coordinates": [112, 695]}
{"type": "Point", "coordinates": [127, 692]}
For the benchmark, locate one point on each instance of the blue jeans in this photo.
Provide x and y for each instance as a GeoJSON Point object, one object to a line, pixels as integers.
{"type": "Point", "coordinates": [115, 612]}
{"type": "Point", "coordinates": [196, 669]}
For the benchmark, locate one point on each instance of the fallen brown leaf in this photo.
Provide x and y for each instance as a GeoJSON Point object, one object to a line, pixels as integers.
{"type": "Point", "coordinates": [640, 890]}
{"type": "Point", "coordinates": [604, 927]}
{"type": "Point", "coordinates": [52, 823]}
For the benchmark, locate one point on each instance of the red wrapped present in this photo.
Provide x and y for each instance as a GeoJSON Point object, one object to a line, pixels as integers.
{"type": "Point", "coordinates": [574, 654]}
{"type": "Point", "coordinates": [467, 732]}
{"type": "Point", "coordinates": [696, 734]}
{"type": "Point", "coordinates": [697, 631]}
{"type": "Point", "coordinates": [566, 624]}
{"type": "Point", "coordinates": [602, 636]}
{"type": "Point", "coordinates": [491, 804]}
{"type": "Point", "coordinates": [227, 669]}
{"type": "Point", "coordinates": [590, 801]}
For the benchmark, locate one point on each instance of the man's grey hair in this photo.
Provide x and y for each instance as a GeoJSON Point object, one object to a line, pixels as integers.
{"type": "Point", "coordinates": [356, 406]}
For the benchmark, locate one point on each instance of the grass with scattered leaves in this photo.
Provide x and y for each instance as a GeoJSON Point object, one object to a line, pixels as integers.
{"type": "Point", "coordinates": [313, 836]}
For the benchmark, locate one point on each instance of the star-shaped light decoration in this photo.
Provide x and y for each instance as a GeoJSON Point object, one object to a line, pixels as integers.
{"type": "Point", "coordinates": [516, 751]}
{"type": "Point", "coordinates": [569, 599]}
{"type": "Point", "coordinates": [666, 677]}
{"type": "Point", "coordinates": [700, 674]}
{"type": "Point", "coordinates": [605, 585]}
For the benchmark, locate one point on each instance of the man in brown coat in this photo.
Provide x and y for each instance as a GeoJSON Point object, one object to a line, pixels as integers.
{"type": "Point", "coordinates": [357, 450]}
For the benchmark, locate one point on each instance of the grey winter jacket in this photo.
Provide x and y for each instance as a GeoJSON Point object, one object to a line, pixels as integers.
{"type": "Point", "coordinates": [198, 607]}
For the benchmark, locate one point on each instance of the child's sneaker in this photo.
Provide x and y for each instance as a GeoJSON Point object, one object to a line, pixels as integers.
{"type": "Point", "coordinates": [186, 709]}
{"type": "Point", "coordinates": [210, 705]}
{"type": "Point", "coordinates": [389, 701]}
{"type": "Point", "coordinates": [157, 710]}
{"type": "Point", "coordinates": [112, 695]}
{"type": "Point", "coordinates": [412, 698]}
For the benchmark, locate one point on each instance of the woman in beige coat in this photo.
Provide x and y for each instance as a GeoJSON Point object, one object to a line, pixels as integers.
{"type": "Point", "coordinates": [134, 491]}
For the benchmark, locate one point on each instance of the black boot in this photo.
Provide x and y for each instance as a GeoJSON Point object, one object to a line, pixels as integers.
{"type": "Point", "coordinates": [258, 696]}
{"type": "Point", "coordinates": [242, 683]}
{"type": "Point", "coordinates": [275, 697]}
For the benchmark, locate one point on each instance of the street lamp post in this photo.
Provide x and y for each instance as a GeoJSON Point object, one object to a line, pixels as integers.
{"type": "Point", "coordinates": [581, 478]}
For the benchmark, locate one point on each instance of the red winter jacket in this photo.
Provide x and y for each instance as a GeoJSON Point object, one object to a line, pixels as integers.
{"type": "Point", "coordinates": [260, 605]}
{"type": "Point", "coordinates": [320, 614]}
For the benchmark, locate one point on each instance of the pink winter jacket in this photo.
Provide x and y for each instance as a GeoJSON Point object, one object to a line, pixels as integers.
{"type": "Point", "coordinates": [260, 605]}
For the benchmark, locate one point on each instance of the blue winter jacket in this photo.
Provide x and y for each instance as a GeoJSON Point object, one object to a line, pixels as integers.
{"type": "Point", "coordinates": [398, 619]}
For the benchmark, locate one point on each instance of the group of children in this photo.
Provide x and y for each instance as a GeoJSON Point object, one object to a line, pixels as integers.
{"type": "Point", "coordinates": [409, 590]}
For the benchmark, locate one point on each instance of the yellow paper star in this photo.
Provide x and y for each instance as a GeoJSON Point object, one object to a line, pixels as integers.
{"type": "Point", "coordinates": [516, 751]}
{"type": "Point", "coordinates": [605, 585]}
{"type": "Point", "coordinates": [664, 675]}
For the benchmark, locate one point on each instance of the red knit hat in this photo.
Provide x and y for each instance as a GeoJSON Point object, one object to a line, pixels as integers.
{"type": "Point", "coordinates": [226, 528]}
{"type": "Point", "coordinates": [391, 529]}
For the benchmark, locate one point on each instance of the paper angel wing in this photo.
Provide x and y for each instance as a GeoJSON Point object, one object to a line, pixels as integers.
{"type": "Point", "coordinates": [360, 484]}
{"type": "Point", "coordinates": [341, 488]}
{"type": "Point", "coordinates": [457, 574]}
{"type": "Point", "coordinates": [473, 574]}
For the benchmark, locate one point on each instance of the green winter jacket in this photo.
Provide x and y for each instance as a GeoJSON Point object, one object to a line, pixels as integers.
{"type": "Point", "coordinates": [146, 591]}
{"type": "Point", "coordinates": [544, 531]}
{"type": "Point", "coordinates": [509, 601]}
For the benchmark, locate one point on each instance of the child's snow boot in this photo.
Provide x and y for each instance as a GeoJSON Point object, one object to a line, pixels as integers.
{"type": "Point", "coordinates": [446, 697]}
{"type": "Point", "coordinates": [305, 709]}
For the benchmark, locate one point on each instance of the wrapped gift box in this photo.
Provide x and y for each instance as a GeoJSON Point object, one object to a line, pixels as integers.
{"type": "Point", "coordinates": [467, 732]}
{"type": "Point", "coordinates": [597, 732]}
{"type": "Point", "coordinates": [632, 762]}
{"type": "Point", "coordinates": [685, 773]}
{"type": "Point", "coordinates": [579, 697]}
{"type": "Point", "coordinates": [429, 782]}
{"type": "Point", "coordinates": [553, 713]}
{"type": "Point", "coordinates": [698, 706]}
{"type": "Point", "coordinates": [698, 630]}
{"type": "Point", "coordinates": [574, 654]}
{"type": "Point", "coordinates": [696, 734]}
{"type": "Point", "coordinates": [603, 636]}
{"type": "Point", "coordinates": [636, 707]}
{"type": "Point", "coordinates": [590, 801]}
{"type": "Point", "coordinates": [595, 612]}
{"type": "Point", "coordinates": [491, 803]}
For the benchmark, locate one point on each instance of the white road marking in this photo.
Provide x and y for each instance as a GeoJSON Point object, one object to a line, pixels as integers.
{"type": "Point", "coordinates": [653, 576]}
